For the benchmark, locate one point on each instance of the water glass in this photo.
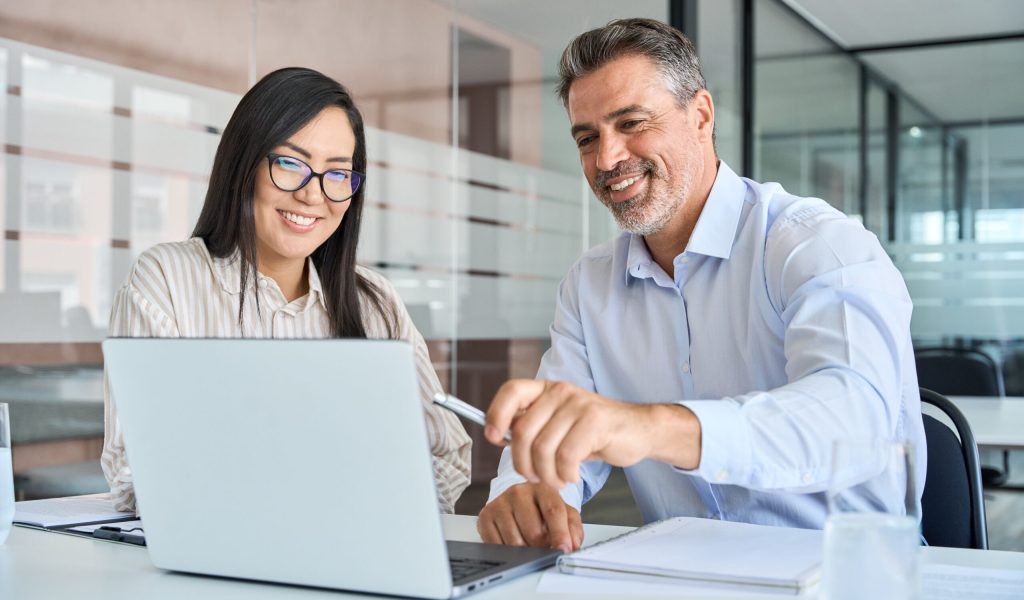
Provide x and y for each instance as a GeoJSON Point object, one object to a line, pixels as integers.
{"type": "Point", "coordinates": [6, 475]}
{"type": "Point", "coordinates": [872, 532]}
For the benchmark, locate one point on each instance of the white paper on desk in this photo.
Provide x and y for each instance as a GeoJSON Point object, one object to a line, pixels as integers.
{"type": "Point", "coordinates": [692, 549]}
{"type": "Point", "coordinates": [553, 582]}
{"type": "Point", "coordinates": [948, 581]}
{"type": "Point", "coordinates": [57, 512]}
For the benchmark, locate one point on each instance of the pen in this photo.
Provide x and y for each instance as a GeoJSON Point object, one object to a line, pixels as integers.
{"type": "Point", "coordinates": [117, 535]}
{"type": "Point", "coordinates": [466, 411]}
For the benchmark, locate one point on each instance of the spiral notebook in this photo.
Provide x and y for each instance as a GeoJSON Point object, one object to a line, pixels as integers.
{"type": "Point", "coordinates": [724, 554]}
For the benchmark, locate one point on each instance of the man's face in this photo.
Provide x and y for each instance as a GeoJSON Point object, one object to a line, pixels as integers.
{"type": "Point", "coordinates": [638, 147]}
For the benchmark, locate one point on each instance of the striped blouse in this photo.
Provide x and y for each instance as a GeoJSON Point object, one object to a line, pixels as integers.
{"type": "Point", "coordinates": [179, 290]}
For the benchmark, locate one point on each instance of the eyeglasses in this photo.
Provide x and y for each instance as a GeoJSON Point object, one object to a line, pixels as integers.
{"type": "Point", "coordinates": [290, 174]}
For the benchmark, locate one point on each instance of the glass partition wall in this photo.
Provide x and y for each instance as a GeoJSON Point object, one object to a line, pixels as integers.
{"type": "Point", "coordinates": [805, 110]}
{"type": "Point", "coordinates": [475, 202]}
{"type": "Point", "coordinates": [928, 166]}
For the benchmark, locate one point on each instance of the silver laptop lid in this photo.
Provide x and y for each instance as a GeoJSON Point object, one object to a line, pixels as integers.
{"type": "Point", "coordinates": [294, 461]}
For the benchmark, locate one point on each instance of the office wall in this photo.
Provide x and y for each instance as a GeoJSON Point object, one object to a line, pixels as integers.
{"type": "Point", "coordinates": [719, 45]}
{"type": "Point", "coordinates": [806, 111]}
{"type": "Point", "coordinates": [112, 113]}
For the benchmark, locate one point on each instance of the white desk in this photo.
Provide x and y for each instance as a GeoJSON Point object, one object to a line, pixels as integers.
{"type": "Point", "coordinates": [995, 422]}
{"type": "Point", "coordinates": [39, 565]}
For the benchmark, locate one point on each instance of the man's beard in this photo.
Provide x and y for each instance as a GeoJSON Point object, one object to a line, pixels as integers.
{"type": "Point", "coordinates": [648, 212]}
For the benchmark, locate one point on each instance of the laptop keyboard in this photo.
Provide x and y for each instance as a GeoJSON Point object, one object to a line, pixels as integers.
{"type": "Point", "coordinates": [468, 567]}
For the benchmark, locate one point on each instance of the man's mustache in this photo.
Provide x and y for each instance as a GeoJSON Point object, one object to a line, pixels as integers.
{"type": "Point", "coordinates": [635, 167]}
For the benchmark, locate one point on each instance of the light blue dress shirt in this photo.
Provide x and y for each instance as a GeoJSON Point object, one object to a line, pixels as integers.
{"type": "Point", "coordinates": [786, 327]}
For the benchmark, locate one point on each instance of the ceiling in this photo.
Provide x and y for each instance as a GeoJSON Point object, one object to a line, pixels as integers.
{"type": "Point", "coordinates": [972, 82]}
{"type": "Point", "coordinates": [874, 22]}
{"type": "Point", "coordinates": [978, 81]}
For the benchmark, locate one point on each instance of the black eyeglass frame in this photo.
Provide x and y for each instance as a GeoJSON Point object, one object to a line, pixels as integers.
{"type": "Point", "coordinates": [270, 170]}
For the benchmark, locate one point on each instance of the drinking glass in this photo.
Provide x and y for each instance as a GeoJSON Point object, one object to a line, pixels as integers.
{"type": "Point", "coordinates": [6, 475]}
{"type": "Point", "coordinates": [872, 532]}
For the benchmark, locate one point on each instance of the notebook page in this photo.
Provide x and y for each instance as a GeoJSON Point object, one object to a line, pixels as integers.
{"type": "Point", "coordinates": [553, 582]}
{"type": "Point", "coordinates": [726, 550]}
{"type": "Point", "coordinates": [57, 512]}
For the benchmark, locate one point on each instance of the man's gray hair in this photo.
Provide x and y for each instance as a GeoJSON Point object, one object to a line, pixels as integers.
{"type": "Point", "coordinates": [672, 52]}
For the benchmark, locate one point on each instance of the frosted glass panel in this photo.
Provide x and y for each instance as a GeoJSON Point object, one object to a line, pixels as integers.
{"type": "Point", "coordinates": [964, 289]}
{"type": "Point", "coordinates": [477, 243]}
{"type": "Point", "coordinates": [508, 231]}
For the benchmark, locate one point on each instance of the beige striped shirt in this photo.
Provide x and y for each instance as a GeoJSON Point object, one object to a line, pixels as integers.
{"type": "Point", "coordinates": [179, 290]}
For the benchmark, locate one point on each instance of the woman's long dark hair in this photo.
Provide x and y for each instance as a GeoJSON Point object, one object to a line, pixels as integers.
{"type": "Point", "coordinates": [282, 103]}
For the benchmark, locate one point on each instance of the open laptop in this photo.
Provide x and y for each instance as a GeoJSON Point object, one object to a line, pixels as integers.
{"type": "Point", "coordinates": [293, 461]}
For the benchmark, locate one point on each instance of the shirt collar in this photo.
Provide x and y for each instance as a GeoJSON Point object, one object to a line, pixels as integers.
{"type": "Point", "coordinates": [316, 290]}
{"type": "Point", "coordinates": [714, 233]}
{"type": "Point", "coordinates": [638, 258]}
{"type": "Point", "coordinates": [228, 271]}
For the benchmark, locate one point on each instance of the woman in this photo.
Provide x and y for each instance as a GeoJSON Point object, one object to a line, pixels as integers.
{"type": "Point", "coordinates": [273, 255]}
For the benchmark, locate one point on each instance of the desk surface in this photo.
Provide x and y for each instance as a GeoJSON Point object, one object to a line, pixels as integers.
{"type": "Point", "coordinates": [996, 422]}
{"type": "Point", "coordinates": [43, 565]}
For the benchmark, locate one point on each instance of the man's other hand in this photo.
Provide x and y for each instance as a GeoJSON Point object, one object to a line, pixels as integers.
{"type": "Point", "coordinates": [531, 514]}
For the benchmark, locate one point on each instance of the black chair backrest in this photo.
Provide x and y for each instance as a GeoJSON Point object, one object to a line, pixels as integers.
{"type": "Point", "coordinates": [1013, 369]}
{"type": "Point", "coordinates": [955, 371]}
{"type": "Point", "coordinates": [952, 505]}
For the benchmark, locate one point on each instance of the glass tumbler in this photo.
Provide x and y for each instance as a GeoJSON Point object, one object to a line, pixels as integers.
{"type": "Point", "coordinates": [6, 475]}
{"type": "Point", "coordinates": [872, 532]}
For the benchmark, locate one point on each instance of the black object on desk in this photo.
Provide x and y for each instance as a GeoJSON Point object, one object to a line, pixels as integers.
{"type": "Point", "coordinates": [116, 534]}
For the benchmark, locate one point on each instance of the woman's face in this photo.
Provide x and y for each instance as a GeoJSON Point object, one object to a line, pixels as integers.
{"type": "Point", "coordinates": [291, 225]}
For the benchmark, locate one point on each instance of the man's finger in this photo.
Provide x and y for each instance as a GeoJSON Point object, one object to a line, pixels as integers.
{"type": "Point", "coordinates": [529, 518]}
{"type": "Point", "coordinates": [556, 517]}
{"type": "Point", "coordinates": [547, 443]}
{"type": "Point", "coordinates": [514, 395]}
{"type": "Point", "coordinates": [508, 529]}
{"type": "Point", "coordinates": [576, 447]}
{"type": "Point", "coordinates": [488, 530]}
{"type": "Point", "coordinates": [575, 528]}
{"type": "Point", "coordinates": [525, 430]}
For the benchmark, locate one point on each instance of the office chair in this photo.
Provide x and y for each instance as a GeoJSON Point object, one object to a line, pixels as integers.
{"type": "Point", "coordinates": [952, 505]}
{"type": "Point", "coordinates": [955, 371]}
{"type": "Point", "coordinates": [1013, 367]}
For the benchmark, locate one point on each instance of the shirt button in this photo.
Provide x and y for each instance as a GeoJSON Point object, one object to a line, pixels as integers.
{"type": "Point", "coordinates": [686, 367]}
{"type": "Point", "coordinates": [263, 283]}
{"type": "Point", "coordinates": [722, 475]}
{"type": "Point", "coordinates": [808, 478]}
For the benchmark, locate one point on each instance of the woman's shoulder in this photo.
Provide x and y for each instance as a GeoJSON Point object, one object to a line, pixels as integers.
{"type": "Point", "coordinates": [170, 260]}
{"type": "Point", "coordinates": [390, 309]}
{"type": "Point", "coordinates": [387, 289]}
{"type": "Point", "coordinates": [167, 252]}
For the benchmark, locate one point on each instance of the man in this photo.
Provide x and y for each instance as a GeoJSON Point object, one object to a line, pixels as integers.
{"type": "Point", "coordinates": [718, 346]}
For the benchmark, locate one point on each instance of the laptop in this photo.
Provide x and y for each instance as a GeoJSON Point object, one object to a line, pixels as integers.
{"type": "Point", "coordinates": [292, 461]}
